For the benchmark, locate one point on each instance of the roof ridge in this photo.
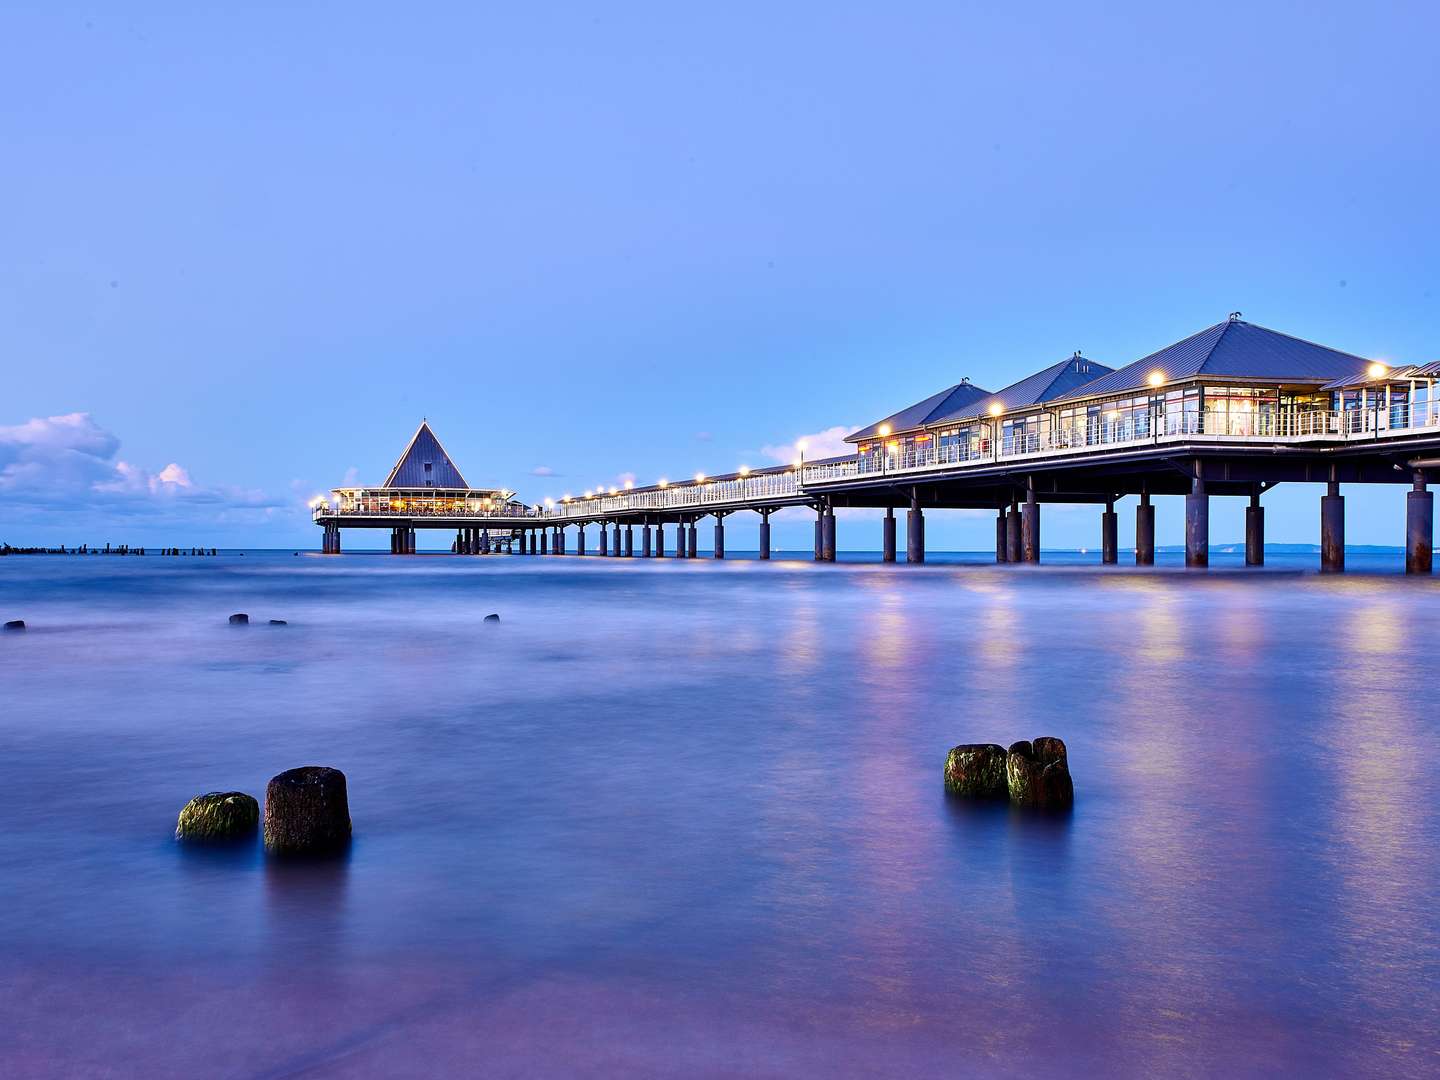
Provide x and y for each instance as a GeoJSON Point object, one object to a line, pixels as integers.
{"type": "Point", "coordinates": [1303, 341]}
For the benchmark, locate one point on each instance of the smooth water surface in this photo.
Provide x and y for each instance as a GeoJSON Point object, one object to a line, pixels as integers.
{"type": "Point", "coordinates": [686, 818]}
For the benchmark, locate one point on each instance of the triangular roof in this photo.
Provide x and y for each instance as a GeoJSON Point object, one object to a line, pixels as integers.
{"type": "Point", "coordinates": [1045, 385]}
{"type": "Point", "coordinates": [1235, 349]}
{"type": "Point", "coordinates": [424, 450]}
{"type": "Point", "coordinates": [946, 402]}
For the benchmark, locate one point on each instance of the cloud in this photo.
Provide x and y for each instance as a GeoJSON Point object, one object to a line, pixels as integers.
{"type": "Point", "coordinates": [543, 470]}
{"type": "Point", "coordinates": [820, 444]}
{"type": "Point", "coordinates": [626, 478]}
{"type": "Point", "coordinates": [703, 436]}
{"type": "Point", "coordinates": [63, 465]}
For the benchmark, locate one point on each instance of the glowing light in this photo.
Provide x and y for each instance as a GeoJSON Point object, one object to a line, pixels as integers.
{"type": "Point", "coordinates": [801, 445]}
{"type": "Point", "coordinates": [549, 502]}
{"type": "Point", "coordinates": [664, 483]}
{"type": "Point", "coordinates": [996, 409]}
{"type": "Point", "coordinates": [629, 484]}
{"type": "Point", "coordinates": [744, 470]}
{"type": "Point", "coordinates": [884, 430]}
{"type": "Point", "coordinates": [1113, 415]}
{"type": "Point", "coordinates": [699, 478]}
{"type": "Point", "coordinates": [589, 493]}
{"type": "Point", "coordinates": [1157, 378]}
{"type": "Point", "coordinates": [613, 491]}
{"type": "Point", "coordinates": [1377, 370]}
{"type": "Point", "coordinates": [893, 444]}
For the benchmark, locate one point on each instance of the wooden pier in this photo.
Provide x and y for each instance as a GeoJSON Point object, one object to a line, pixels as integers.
{"type": "Point", "coordinates": [1229, 412]}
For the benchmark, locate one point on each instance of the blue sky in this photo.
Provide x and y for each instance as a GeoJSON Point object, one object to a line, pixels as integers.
{"type": "Point", "coordinates": [254, 244]}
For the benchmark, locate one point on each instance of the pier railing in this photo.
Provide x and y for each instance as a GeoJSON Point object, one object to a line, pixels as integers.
{"type": "Point", "coordinates": [707, 494]}
{"type": "Point", "coordinates": [1137, 429]}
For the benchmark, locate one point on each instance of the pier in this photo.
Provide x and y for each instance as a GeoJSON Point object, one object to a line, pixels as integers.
{"type": "Point", "coordinates": [1231, 411]}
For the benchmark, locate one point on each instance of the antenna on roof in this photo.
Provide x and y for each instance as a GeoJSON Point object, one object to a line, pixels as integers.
{"type": "Point", "coordinates": [1234, 316]}
{"type": "Point", "coordinates": [1077, 354]}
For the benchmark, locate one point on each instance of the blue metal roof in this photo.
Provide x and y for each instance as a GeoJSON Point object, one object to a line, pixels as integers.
{"type": "Point", "coordinates": [1046, 385]}
{"type": "Point", "coordinates": [1235, 349]}
{"type": "Point", "coordinates": [424, 464]}
{"type": "Point", "coordinates": [947, 402]}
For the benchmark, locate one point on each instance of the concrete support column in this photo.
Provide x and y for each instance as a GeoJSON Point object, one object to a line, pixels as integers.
{"type": "Point", "coordinates": [887, 536]}
{"type": "Point", "coordinates": [534, 543]}
{"type": "Point", "coordinates": [764, 534]}
{"type": "Point", "coordinates": [1419, 527]}
{"type": "Point", "coordinates": [1014, 552]}
{"type": "Point", "coordinates": [1145, 531]}
{"type": "Point", "coordinates": [659, 540]}
{"type": "Point", "coordinates": [1255, 531]}
{"type": "Point", "coordinates": [411, 536]}
{"type": "Point", "coordinates": [1197, 522]}
{"type": "Point", "coordinates": [694, 552]}
{"type": "Point", "coordinates": [1109, 536]}
{"type": "Point", "coordinates": [604, 548]}
{"type": "Point", "coordinates": [629, 541]}
{"type": "Point", "coordinates": [1332, 529]}
{"type": "Point", "coordinates": [827, 534]}
{"type": "Point", "coordinates": [1002, 537]}
{"type": "Point", "coordinates": [1030, 528]}
{"type": "Point", "coordinates": [915, 531]}
{"type": "Point", "coordinates": [580, 540]}
{"type": "Point", "coordinates": [819, 533]}
{"type": "Point", "coordinates": [719, 551]}
{"type": "Point", "coordinates": [394, 541]}
{"type": "Point", "coordinates": [544, 541]}
{"type": "Point", "coordinates": [645, 541]}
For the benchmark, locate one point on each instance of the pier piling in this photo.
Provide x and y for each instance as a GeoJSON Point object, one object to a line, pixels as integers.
{"type": "Point", "coordinates": [719, 552]}
{"type": "Point", "coordinates": [1030, 527]}
{"type": "Point", "coordinates": [1332, 528]}
{"type": "Point", "coordinates": [1255, 531]}
{"type": "Point", "coordinates": [764, 534]}
{"type": "Point", "coordinates": [1419, 527]}
{"type": "Point", "coordinates": [827, 534]}
{"type": "Point", "coordinates": [887, 536]}
{"type": "Point", "coordinates": [1002, 537]}
{"type": "Point", "coordinates": [1109, 535]}
{"type": "Point", "coordinates": [694, 552]}
{"type": "Point", "coordinates": [1145, 531]}
{"type": "Point", "coordinates": [915, 530]}
{"type": "Point", "coordinates": [1197, 522]}
{"type": "Point", "coordinates": [1013, 550]}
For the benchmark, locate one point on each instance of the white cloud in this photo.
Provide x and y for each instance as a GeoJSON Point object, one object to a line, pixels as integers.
{"type": "Point", "coordinates": [543, 470]}
{"type": "Point", "coordinates": [820, 444]}
{"type": "Point", "coordinates": [69, 464]}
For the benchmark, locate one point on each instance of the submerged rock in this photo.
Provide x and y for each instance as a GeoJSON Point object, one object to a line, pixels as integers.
{"type": "Point", "coordinates": [492, 618]}
{"type": "Point", "coordinates": [278, 622]}
{"type": "Point", "coordinates": [218, 816]}
{"type": "Point", "coordinates": [976, 770]}
{"type": "Point", "coordinates": [1038, 774]}
{"type": "Point", "coordinates": [240, 619]}
{"type": "Point", "coordinates": [307, 811]}
{"type": "Point", "coordinates": [15, 624]}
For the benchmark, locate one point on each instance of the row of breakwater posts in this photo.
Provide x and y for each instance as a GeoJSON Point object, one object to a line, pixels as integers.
{"type": "Point", "coordinates": [1233, 411]}
{"type": "Point", "coordinates": [108, 549]}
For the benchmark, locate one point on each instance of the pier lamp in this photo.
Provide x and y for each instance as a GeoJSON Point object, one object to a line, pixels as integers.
{"type": "Point", "coordinates": [699, 478]}
{"type": "Point", "coordinates": [883, 431]}
{"type": "Point", "coordinates": [613, 491]}
{"type": "Point", "coordinates": [589, 493]}
{"type": "Point", "coordinates": [629, 484]}
{"type": "Point", "coordinates": [1377, 370]}
{"type": "Point", "coordinates": [744, 470]}
{"type": "Point", "coordinates": [663, 484]}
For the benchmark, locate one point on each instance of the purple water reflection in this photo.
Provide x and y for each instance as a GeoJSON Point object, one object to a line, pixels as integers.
{"type": "Point", "coordinates": [687, 818]}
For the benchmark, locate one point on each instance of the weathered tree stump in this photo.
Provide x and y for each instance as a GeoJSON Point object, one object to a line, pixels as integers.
{"type": "Point", "coordinates": [240, 619]}
{"type": "Point", "coordinates": [307, 811]}
{"type": "Point", "coordinates": [976, 770]}
{"type": "Point", "coordinates": [1038, 774]}
{"type": "Point", "coordinates": [218, 816]}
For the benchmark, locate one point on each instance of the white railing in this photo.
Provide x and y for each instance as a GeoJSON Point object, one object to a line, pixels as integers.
{"type": "Point", "coordinates": [710, 493]}
{"type": "Point", "coordinates": [1134, 430]}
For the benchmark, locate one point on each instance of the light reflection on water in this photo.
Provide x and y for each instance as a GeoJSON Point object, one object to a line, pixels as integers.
{"type": "Point", "coordinates": [690, 815]}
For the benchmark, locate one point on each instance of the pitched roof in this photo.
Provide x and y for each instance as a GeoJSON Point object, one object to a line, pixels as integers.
{"type": "Point", "coordinates": [1233, 348]}
{"type": "Point", "coordinates": [424, 464]}
{"type": "Point", "coordinates": [1390, 375]}
{"type": "Point", "coordinates": [1045, 385]}
{"type": "Point", "coordinates": [947, 402]}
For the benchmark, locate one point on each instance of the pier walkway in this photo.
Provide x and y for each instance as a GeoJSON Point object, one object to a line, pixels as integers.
{"type": "Point", "coordinates": [1254, 410]}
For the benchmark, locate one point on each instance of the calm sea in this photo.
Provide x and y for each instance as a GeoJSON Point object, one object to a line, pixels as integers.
{"type": "Point", "coordinates": [686, 818]}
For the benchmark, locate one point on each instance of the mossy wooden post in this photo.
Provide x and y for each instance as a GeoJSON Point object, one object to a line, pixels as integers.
{"type": "Point", "coordinates": [1038, 774]}
{"type": "Point", "coordinates": [976, 770]}
{"type": "Point", "coordinates": [217, 817]}
{"type": "Point", "coordinates": [307, 811]}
